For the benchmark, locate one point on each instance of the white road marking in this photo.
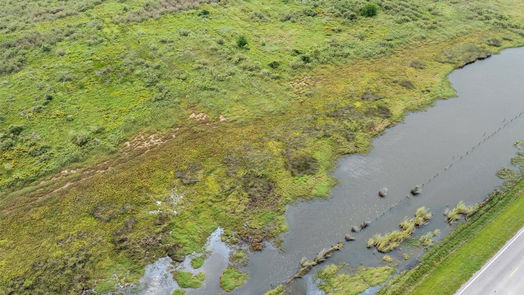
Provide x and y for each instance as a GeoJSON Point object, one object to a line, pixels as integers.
{"type": "Point", "coordinates": [491, 261]}
{"type": "Point", "coordinates": [514, 271]}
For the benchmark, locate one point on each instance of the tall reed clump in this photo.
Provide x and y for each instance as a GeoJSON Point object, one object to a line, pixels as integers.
{"type": "Point", "coordinates": [460, 210]}
{"type": "Point", "coordinates": [388, 242]}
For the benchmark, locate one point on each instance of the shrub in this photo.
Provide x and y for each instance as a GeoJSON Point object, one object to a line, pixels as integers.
{"type": "Point", "coordinates": [80, 139]}
{"type": "Point", "coordinates": [203, 13]}
{"type": "Point", "coordinates": [369, 10]}
{"type": "Point", "coordinates": [6, 144]}
{"type": "Point", "coordinates": [274, 64]}
{"type": "Point", "coordinates": [15, 130]}
{"type": "Point", "coordinates": [258, 16]}
{"type": "Point", "coordinates": [184, 33]}
{"type": "Point", "coordinates": [310, 12]}
{"type": "Point", "coordinates": [306, 59]}
{"type": "Point", "coordinates": [242, 41]}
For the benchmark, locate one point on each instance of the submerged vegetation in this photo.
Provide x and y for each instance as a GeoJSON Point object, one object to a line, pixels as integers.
{"type": "Point", "coordinates": [131, 130]}
{"type": "Point", "coordinates": [390, 241]}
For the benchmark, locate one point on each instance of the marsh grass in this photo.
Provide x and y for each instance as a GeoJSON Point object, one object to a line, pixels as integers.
{"type": "Point", "coordinates": [177, 77]}
{"type": "Point", "coordinates": [460, 210]}
{"type": "Point", "coordinates": [280, 290]}
{"type": "Point", "coordinates": [442, 269]}
{"type": "Point", "coordinates": [232, 278]}
{"type": "Point", "coordinates": [336, 280]}
{"type": "Point", "coordinates": [188, 280]}
{"type": "Point", "coordinates": [388, 242]}
{"type": "Point", "coordinates": [426, 240]}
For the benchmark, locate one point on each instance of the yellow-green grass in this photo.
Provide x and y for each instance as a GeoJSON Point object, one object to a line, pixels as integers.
{"type": "Point", "coordinates": [197, 262]}
{"type": "Point", "coordinates": [280, 290]}
{"type": "Point", "coordinates": [99, 218]}
{"type": "Point", "coordinates": [390, 241]}
{"type": "Point", "coordinates": [189, 280]}
{"type": "Point", "coordinates": [333, 281]}
{"type": "Point", "coordinates": [232, 278]}
{"type": "Point", "coordinates": [459, 256]}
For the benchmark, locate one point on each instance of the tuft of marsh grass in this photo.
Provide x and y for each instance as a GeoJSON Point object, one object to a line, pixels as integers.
{"type": "Point", "coordinates": [188, 280]}
{"type": "Point", "coordinates": [232, 278]}
{"type": "Point", "coordinates": [460, 210]}
{"type": "Point", "coordinates": [338, 281]}
{"type": "Point", "coordinates": [426, 240]}
{"type": "Point", "coordinates": [388, 242]}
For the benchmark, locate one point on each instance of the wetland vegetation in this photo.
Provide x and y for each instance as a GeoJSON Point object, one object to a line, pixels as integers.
{"type": "Point", "coordinates": [132, 129]}
{"type": "Point", "coordinates": [450, 263]}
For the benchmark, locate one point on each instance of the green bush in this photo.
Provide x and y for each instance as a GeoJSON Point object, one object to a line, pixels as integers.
{"type": "Point", "coordinates": [242, 41]}
{"type": "Point", "coordinates": [369, 10]}
{"type": "Point", "coordinates": [274, 64]}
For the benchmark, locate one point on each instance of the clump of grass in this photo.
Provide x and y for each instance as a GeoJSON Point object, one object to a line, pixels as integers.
{"type": "Point", "coordinates": [239, 258]}
{"type": "Point", "coordinates": [390, 241]}
{"type": "Point", "coordinates": [188, 280]}
{"type": "Point", "coordinates": [197, 262]}
{"type": "Point", "coordinates": [332, 281]}
{"type": "Point", "coordinates": [232, 278]}
{"type": "Point", "coordinates": [460, 210]}
{"type": "Point", "coordinates": [426, 240]}
{"type": "Point", "coordinates": [387, 258]}
{"type": "Point", "coordinates": [507, 174]}
{"type": "Point", "coordinates": [369, 10]}
{"type": "Point", "coordinates": [242, 41]}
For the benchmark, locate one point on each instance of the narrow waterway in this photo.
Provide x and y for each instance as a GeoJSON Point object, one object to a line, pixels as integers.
{"type": "Point", "coordinates": [453, 148]}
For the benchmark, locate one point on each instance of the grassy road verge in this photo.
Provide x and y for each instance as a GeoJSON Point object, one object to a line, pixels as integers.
{"type": "Point", "coordinates": [454, 260]}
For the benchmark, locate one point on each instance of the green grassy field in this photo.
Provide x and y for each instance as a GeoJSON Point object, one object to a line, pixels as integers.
{"type": "Point", "coordinates": [132, 129]}
{"type": "Point", "coordinates": [454, 260]}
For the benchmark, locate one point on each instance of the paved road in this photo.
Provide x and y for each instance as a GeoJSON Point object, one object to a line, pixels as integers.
{"type": "Point", "coordinates": [503, 274]}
